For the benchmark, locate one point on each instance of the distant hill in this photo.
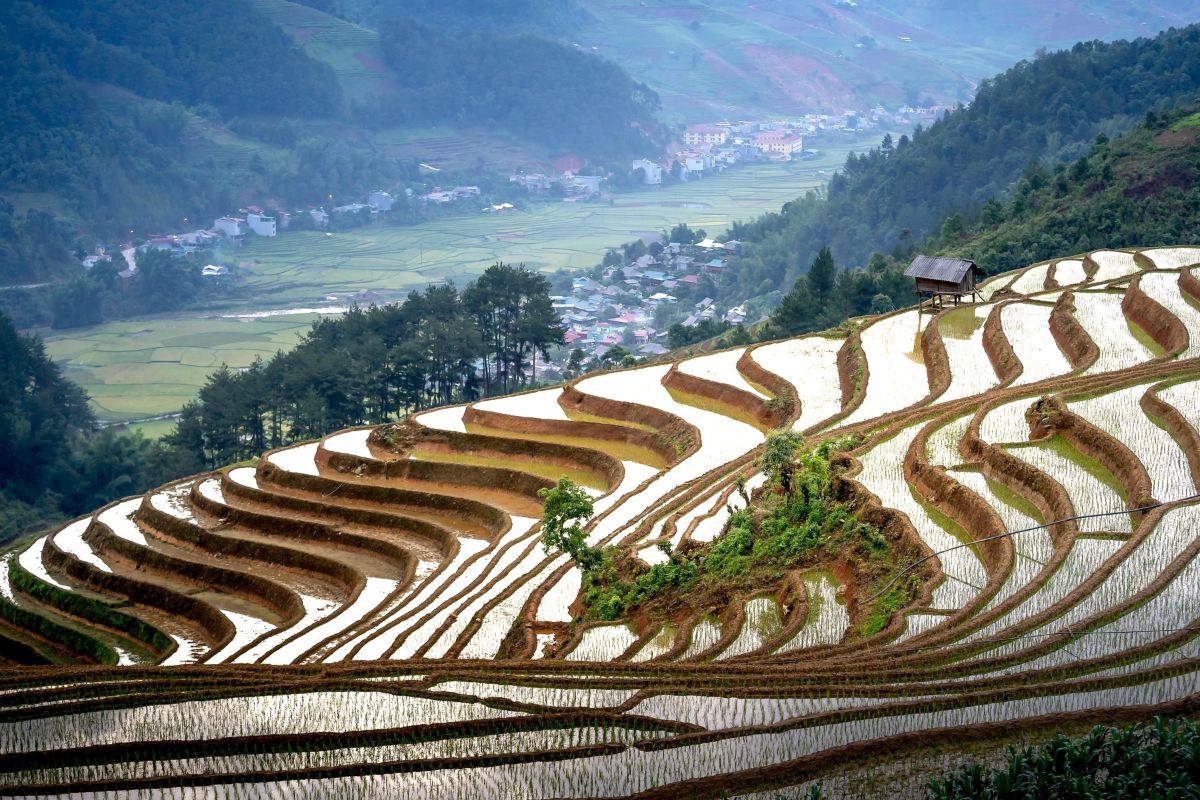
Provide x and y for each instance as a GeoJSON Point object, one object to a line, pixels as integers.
{"type": "Point", "coordinates": [736, 57]}
{"type": "Point", "coordinates": [1047, 110]}
{"type": "Point", "coordinates": [545, 17]}
{"type": "Point", "coordinates": [732, 58]}
{"type": "Point", "coordinates": [135, 117]}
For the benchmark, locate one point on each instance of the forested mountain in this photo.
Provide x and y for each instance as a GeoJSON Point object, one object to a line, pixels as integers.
{"type": "Point", "coordinates": [541, 90]}
{"type": "Point", "coordinates": [1045, 110]}
{"type": "Point", "coordinates": [120, 117]}
{"type": "Point", "coordinates": [93, 120]}
{"type": "Point", "coordinates": [1140, 189]}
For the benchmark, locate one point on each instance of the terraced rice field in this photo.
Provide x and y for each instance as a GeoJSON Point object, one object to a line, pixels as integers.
{"type": "Point", "coordinates": [372, 614]}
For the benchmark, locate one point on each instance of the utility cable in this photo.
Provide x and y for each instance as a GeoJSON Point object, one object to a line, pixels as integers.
{"type": "Point", "coordinates": [921, 561]}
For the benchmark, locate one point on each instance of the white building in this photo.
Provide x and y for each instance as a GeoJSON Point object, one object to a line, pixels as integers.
{"type": "Point", "coordinates": [705, 134]}
{"type": "Point", "coordinates": [232, 227]}
{"type": "Point", "coordinates": [261, 224]}
{"type": "Point", "coordinates": [651, 172]}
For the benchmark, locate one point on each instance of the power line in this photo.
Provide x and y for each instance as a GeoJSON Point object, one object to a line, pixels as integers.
{"type": "Point", "coordinates": [921, 561]}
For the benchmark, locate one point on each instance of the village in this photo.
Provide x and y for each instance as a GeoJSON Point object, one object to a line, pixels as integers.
{"type": "Point", "coordinates": [630, 302]}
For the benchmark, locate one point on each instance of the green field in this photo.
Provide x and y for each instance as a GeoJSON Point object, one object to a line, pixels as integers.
{"type": "Point", "coordinates": [143, 368]}
{"type": "Point", "coordinates": [306, 267]}
{"type": "Point", "coordinates": [137, 369]}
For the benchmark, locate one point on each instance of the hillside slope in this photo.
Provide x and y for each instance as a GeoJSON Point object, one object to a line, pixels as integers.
{"type": "Point", "coordinates": [734, 58]}
{"type": "Point", "coordinates": [1139, 189]}
{"type": "Point", "coordinates": [130, 118]}
{"type": "Point", "coordinates": [407, 562]}
{"type": "Point", "coordinates": [1046, 110]}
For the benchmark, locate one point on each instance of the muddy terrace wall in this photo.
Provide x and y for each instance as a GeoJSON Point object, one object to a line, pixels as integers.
{"type": "Point", "coordinates": [786, 398]}
{"type": "Point", "coordinates": [310, 531]}
{"type": "Point", "coordinates": [490, 519]}
{"type": "Point", "coordinates": [215, 628]}
{"type": "Point", "coordinates": [759, 412]}
{"type": "Point", "coordinates": [436, 472]}
{"type": "Point", "coordinates": [999, 350]}
{"type": "Point", "coordinates": [672, 438]}
{"type": "Point", "coordinates": [439, 537]}
{"type": "Point", "coordinates": [1071, 336]}
{"type": "Point", "coordinates": [404, 438]}
{"type": "Point", "coordinates": [1149, 315]}
{"type": "Point", "coordinates": [210, 541]}
{"type": "Point", "coordinates": [1050, 416]}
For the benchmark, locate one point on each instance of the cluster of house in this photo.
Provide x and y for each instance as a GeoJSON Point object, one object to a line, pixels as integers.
{"type": "Point", "coordinates": [713, 147]}
{"type": "Point", "coordinates": [233, 228]}
{"type": "Point", "coordinates": [620, 308]}
{"type": "Point", "coordinates": [441, 197]}
{"type": "Point", "coordinates": [574, 186]}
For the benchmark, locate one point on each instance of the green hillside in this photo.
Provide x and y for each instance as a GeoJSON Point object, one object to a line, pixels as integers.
{"type": "Point", "coordinates": [1045, 110]}
{"type": "Point", "coordinates": [1141, 189]}
{"type": "Point", "coordinates": [125, 119]}
{"type": "Point", "coordinates": [1138, 190]}
{"type": "Point", "coordinates": [733, 57]}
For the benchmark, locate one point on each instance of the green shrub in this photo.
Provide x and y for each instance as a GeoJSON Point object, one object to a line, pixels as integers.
{"type": "Point", "coordinates": [71, 639]}
{"type": "Point", "coordinates": [1157, 760]}
{"type": "Point", "coordinates": [89, 609]}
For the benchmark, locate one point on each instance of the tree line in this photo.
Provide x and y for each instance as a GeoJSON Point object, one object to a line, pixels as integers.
{"type": "Point", "coordinates": [372, 365]}
{"type": "Point", "coordinates": [56, 463]}
{"type": "Point", "coordinates": [368, 366]}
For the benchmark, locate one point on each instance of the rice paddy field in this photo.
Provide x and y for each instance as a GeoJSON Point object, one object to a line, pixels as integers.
{"type": "Point", "coordinates": [143, 368]}
{"type": "Point", "coordinates": [355, 617]}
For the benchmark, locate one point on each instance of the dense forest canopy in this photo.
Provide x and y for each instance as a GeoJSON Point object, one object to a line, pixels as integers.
{"type": "Point", "coordinates": [1045, 110]}
{"type": "Point", "coordinates": [373, 365]}
{"type": "Point", "coordinates": [546, 92]}
{"type": "Point", "coordinates": [56, 464]}
{"type": "Point", "coordinates": [175, 50]}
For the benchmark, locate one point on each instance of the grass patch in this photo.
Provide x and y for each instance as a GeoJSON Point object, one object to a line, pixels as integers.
{"type": "Point", "coordinates": [959, 323]}
{"type": "Point", "coordinates": [1190, 121]}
